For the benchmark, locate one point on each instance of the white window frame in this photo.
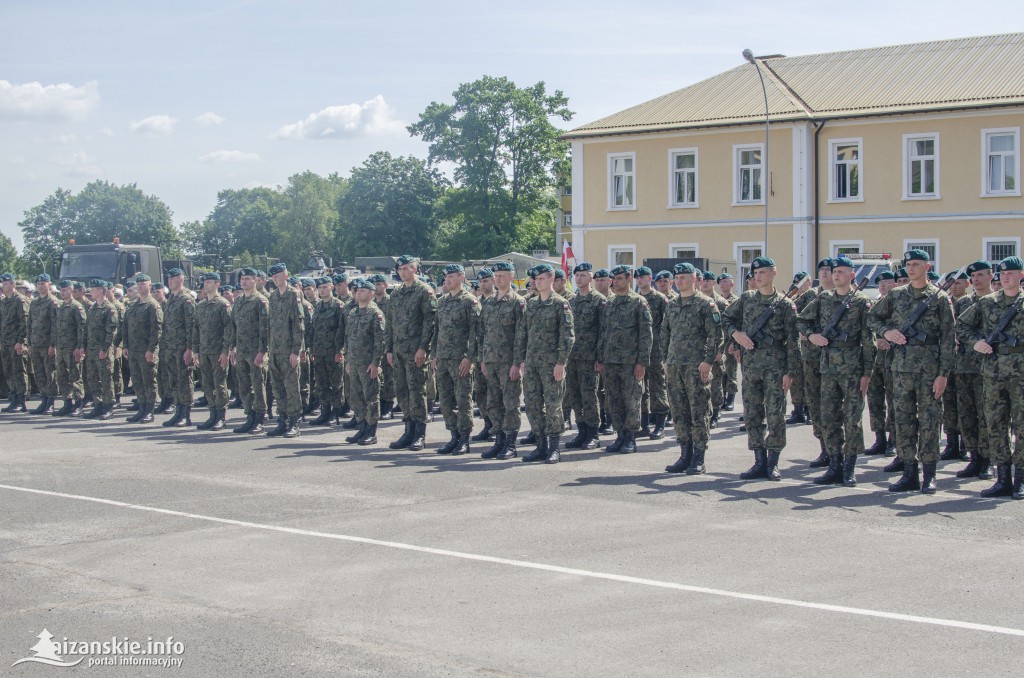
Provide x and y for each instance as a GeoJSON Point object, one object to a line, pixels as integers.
{"type": "Point", "coordinates": [612, 249]}
{"type": "Point", "coordinates": [907, 140]}
{"type": "Point", "coordinates": [998, 131]}
{"type": "Point", "coordinates": [672, 153]}
{"type": "Point", "coordinates": [683, 245]}
{"type": "Point", "coordinates": [834, 245]}
{"type": "Point", "coordinates": [985, 242]}
{"type": "Point", "coordinates": [833, 160]}
{"type": "Point", "coordinates": [612, 157]}
{"type": "Point", "coordinates": [567, 219]}
{"type": "Point", "coordinates": [737, 248]}
{"type": "Point", "coordinates": [737, 150]}
{"type": "Point", "coordinates": [908, 244]}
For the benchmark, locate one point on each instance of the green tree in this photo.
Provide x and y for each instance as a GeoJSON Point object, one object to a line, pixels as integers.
{"type": "Point", "coordinates": [308, 219]}
{"type": "Point", "coordinates": [388, 207]}
{"type": "Point", "coordinates": [49, 226]}
{"type": "Point", "coordinates": [506, 152]}
{"type": "Point", "coordinates": [10, 262]}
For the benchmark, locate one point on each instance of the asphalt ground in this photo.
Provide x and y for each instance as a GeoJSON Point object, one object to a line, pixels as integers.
{"type": "Point", "coordinates": [302, 557]}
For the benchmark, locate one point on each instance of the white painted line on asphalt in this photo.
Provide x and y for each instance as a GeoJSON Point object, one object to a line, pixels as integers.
{"type": "Point", "coordinates": [825, 607]}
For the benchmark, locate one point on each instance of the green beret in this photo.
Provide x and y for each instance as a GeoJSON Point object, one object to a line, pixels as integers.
{"type": "Point", "coordinates": [226, 288]}
{"type": "Point", "coordinates": [7, 277]}
{"type": "Point", "coordinates": [475, 284]}
{"type": "Point", "coordinates": [339, 278]}
{"type": "Point", "coordinates": [683, 268]}
{"type": "Point", "coordinates": [662, 275]}
{"type": "Point", "coordinates": [405, 259]}
{"type": "Point", "coordinates": [933, 276]}
{"type": "Point", "coordinates": [307, 282]}
{"type": "Point", "coordinates": [901, 273]}
{"type": "Point", "coordinates": [248, 271]}
{"type": "Point", "coordinates": [271, 286]}
{"type": "Point", "coordinates": [64, 284]}
{"type": "Point", "coordinates": [559, 274]}
{"type": "Point", "coordinates": [724, 276]}
{"type": "Point", "coordinates": [842, 261]}
{"type": "Point", "coordinates": [79, 285]}
{"type": "Point", "coordinates": [622, 269]}
{"type": "Point", "coordinates": [377, 278]}
{"type": "Point", "coordinates": [142, 277]}
{"type": "Point", "coordinates": [885, 275]}
{"type": "Point", "coordinates": [278, 268]}
{"type": "Point", "coordinates": [543, 268]}
{"type": "Point", "coordinates": [157, 287]}
{"type": "Point", "coordinates": [293, 280]}
{"type": "Point", "coordinates": [643, 270]}
{"type": "Point", "coordinates": [799, 277]}
{"type": "Point", "coordinates": [825, 263]}
{"type": "Point", "coordinates": [128, 284]}
{"type": "Point", "coordinates": [210, 276]}
{"type": "Point", "coordinates": [707, 275]}
{"type": "Point", "coordinates": [768, 262]}
{"type": "Point", "coordinates": [324, 280]}
{"type": "Point", "coordinates": [979, 265]}
{"type": "Point", "coordinates": [916, 255]}
{"type": "Point", "coordinates": [602, 273]}
{"type": "Point", "coordinates": [1011, 264]}
{"type": "Point", "coordinates": [175, 272]}
{"type": "Point", "coordinates": [43, 277]}
{"type": "Point", "coordinates": [583, 267]}
{"type": "Point", "coordinates": [503, 266]}
{"type": "Point", "coordinates": [453, 268]}
{"type": "Point", "coordinates": [484, 273]}
{"type": "Point", "coordinates": [96, 282]}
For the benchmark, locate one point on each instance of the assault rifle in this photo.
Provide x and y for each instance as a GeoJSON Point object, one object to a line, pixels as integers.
{"type": "Point", "coordinates": [831, 331]}
{"type": "Point", "coordinates": [914, 336]}
{"type": "Point", "coordinates": [999, 335]}
{"type": "Point", "coordinates": [756, 331]}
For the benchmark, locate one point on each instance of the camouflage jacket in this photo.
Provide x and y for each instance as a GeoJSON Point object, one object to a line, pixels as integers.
{"type": "Point", "coordinates": [286, 322]}
{"type": "Point", "coordinates": [328, 335]}
{"type": "Point", "coordinates": [213, 330]}
{"type": "Point", "coordinates": [179, 315]}
{"type": "Point", "coordinates": [119, 333]}
{"type": "Point", "coordinates": [102, 321]}
{"type": "Point", "coordinates": [968, 361]}
{"type": "Point", "coordinates": [936, 356]}
{"type": "Point", "coordinates": [251, 316]}
{"type": "Point", "coordinates": [627, 334]}
{"type": "Point", "coordinates": [658, 304]}
{"type": "Point", "coordinates": [143, 323]}
{"type": "Point", "coordinates": [69, 329]}
{"type": "Point", "coordinates": [587, 314]}
{"type": "Point", "coordinates": [979, 320]}
{"type": "Point", "coordinates": [692, 332]}
{"type": "Point", "coordinates": [783, 355]}
{"type": "Point", "coordinates": [546, 334]}
{"type": "Point", "coordinates": [808, 351]}
{"type": "Point", "coordinates": [42, 313]}
{"type": "Point", "coordinates": [500, 320]}
{"type": "Point", "coordinates": [410, 319]}
{"type": "Point", "coordinates": [458, 327]}
{"type": "Point", "coordinates": [14, 319]}
{"type": "Point", "coordinates": [855, 355]}
{"type": "Point", "coordinates": [365, 330]}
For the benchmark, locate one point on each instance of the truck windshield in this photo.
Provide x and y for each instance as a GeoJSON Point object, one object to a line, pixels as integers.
{"type": "Point", "coordinates": [870, 270]}
{"type": "Point", "coordinates": [82, 265]}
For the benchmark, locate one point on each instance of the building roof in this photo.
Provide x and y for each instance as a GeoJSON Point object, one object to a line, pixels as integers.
{"type": "Point", "coordinates": [942, 75]}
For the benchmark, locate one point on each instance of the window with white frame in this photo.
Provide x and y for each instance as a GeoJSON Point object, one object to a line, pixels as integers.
{"type": "Point", "coordinates": [621, 255]}
{"type": "Point", "coordinates": [845, 170]}
{"type": "Point", "coordinates": [567, 219]}
{"type": "Point", "coordinates": [749, 175]}
{"type": "Point", "coordinates": [1001, 160]}
{"type": "Point", "coordinates": [745, 255]}
{"type": "Point", "coordinates": [929, 246]}
{"type": "Point", "coordinates": [845, 249]}
{"type": "Point", "coordinates": [682, 251]}
{"type": "Point", "coordinates": [921, 179]}
{"type": "Point", "coordinates": [683, 190]}
{"type": "Point", "coordinates": [622, 181]}
{"type": "Point", "coordinates": [998, 249]}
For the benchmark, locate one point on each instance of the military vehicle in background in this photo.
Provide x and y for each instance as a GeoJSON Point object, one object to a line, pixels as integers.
{"type": "Point", "coordinates": [113, 261]}
{"type": "Point", "coordinates": [870, 265]}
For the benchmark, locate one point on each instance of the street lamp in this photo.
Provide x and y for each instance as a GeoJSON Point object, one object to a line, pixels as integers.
{"type": "Point", "coordinates": [749, 56]}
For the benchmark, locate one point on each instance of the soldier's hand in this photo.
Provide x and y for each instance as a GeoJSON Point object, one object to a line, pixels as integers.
{"type": "Point", "coordinates": [18, 348]}
{"type": "Point", "coordinates": [52, 352]}
{"type": "Point", "coordinates": [78, 354]}
{"type": "Point", "coordinates": [124, 354]}
{"type": "Point", "coordinates": [196, 359]}
{"type": "Point", "coordinates": [705, 372]}
{"type": "Point", "coordinates": [259, 359]}
{"type": "Point", "coordinates": [224, 358]}
{"type": "Point", "coordinates": [939, 387]}
{"type": "Point", "coordinates": [348, 369]}
{"type": "Point", "coordinates": [787, 381]}
{"type": "Point", "coordinates": [559, 372]}
{"type": "Point", "coordinates": [293, 360]}
{"type": "Point", "coordinates": [743, 340]}
{"type": "Point", "coordinates": [150, 357]}
{"type": "Point", "coordinates": [483, 370]}
{"type": "Point", "coordinates": [514, 373]}
{"type": "Point", "coordinates": [864, 381]}
{"type": "Point", "coordinates": [465, 366]}
{"type": "Point", "coordinates": [882, 345]}
{"type": "Point", "coordinates": [982, 346]}
{"type": "Point", "coordinates": [639, 371]}
{"type": "Point", "coordinates": [338, 357]}
{"type": "Point", "coordinates": [895, 337]}
{"type": "Point", "coordinates": [433, 363]}
{"type": "Point", "coordinates": [391, 359]}
{"type": "Point", "coordinates": [374, 370]}
{"type": "Point", "coordinates": [599, 367]}
{"type": "Point", "coordinates": [187, 357]}
{"type": "Point", "coordinates": [818, 340]}
{"type": "Point", "coordinates": [420, 357]}
{"type": "Point", "coordinates": [233, 358]}
{"type": "Point", "coordinates": [102, 355]}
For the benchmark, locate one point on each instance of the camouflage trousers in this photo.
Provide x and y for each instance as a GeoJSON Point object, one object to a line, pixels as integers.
{"type": "Point", "coordinates": [285, 380]}
{"type": "Point", "coordinates": [842, 414]}
{"type": "Point", "coordinates": [252, 382]}
{"type": "Point", "coordinates": [970, 394]}
{"type": "Point", "coordinates": [44, 367]}
{"type": "Point", "coordinates": [165, 375]}
{"type": "Point", "coordinates": [431, 384]}
{"type": "Point", "coordinates": [304, 379]}
{"type": "Point", "coordinates": [798, 390]}
{"type": "Point", "coordinates": [479, 389]}
{"type": "Point", "coordinates": [178, 375]}
{"type": "Point", "coordinates": [622, 397]}
{"type": "Point", "coordinates": [690, 397]}
{"type": "Point", "coordinates": [503, 397]}
{"type": "Point", "coordinates": [143, 376]}
{"type": "Point", "coordinates": [655, 397]}
{"type": "Point", "coordinates": [764, 409]}
{"type": "Point", "coordinates": [15, 369]}
{"type": "Point", "coordinates": [411, 387]}
{"type": "Point", "coordinates": [387, 382]}
{"type": "Point", "coordinates": [363, 392]}
{"type": "Point", "coordinates": [581, 382]}
{"type": "Point", "coordinates": [120, 378]}
{"type": "Point", "coordinates": [69, 375]}
{"type": "Point", "coordinates": [731, 371]}
{"type": "Point", "coordinates": [330, 387]}
{"type": "Point", "coordinates": [950, 410]}
{"type": "Point", "coordinates": [99, 372]}
{"type": "Point", "coordinates": [1005, 398]}
{"type": "Point", "coordinates": [544, 398]}
{"type": "Point", "coordinates": [812, 391]}
{"type": "Point", "coordinates": [455, 395]}
{"type": "Point", "coordinates": [918, 417]}
{"type": "Point", "coordinates": [215, 380]}
{"type": "Point", "coordinates": [877, 398]}
{"type": "Point", "coordinates": [717, 384]}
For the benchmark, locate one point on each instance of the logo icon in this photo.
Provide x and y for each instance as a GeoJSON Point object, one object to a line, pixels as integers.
{"type": "Point", "coordinates": [46, 652]}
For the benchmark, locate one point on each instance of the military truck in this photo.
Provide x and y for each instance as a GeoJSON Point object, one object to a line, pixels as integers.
{"type": "Point", "coordinates": [113, 261]}
{"type": "Point", "coordinates": [869, 266]}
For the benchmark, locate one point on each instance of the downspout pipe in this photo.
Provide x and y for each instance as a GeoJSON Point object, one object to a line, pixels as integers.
{"type": "Point", "coordinates": [814, 187]}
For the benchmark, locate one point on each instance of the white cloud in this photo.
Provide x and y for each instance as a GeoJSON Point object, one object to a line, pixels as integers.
{"type": "Point", "coordinates": [35, 101]}
{"type": "Point", "coordinates": [345, 122]}
{"type": "Point", "coordinates": [106, 132]}
{"type": "Point", "coordinates": [79, 164]}
{"type": "Point", "coordinates": [210, 118]}
{"type": "Point", "coordinates": [230, 156]}
{"type": "Point", "coordinates": [154, 125]}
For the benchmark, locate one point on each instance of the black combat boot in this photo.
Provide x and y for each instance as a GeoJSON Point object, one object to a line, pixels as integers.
{"type": "Point", "coordinates": [909, 481]}
{"type": "Point", "coordinates": [134, 407]}
{"type": "Point", "coordinates": [186, 417]}
{"type": "Point", "coordinates": [385, 409]}
{"type": "Point", "coordinates": [66, 409]}
{"type": "Point", "coordinates": [291, 429]}
{"type": "Point", "coordinates": [759, 468]}
{"type": "Point", "coordinates": [628, 442]}
{"type": "Point", "coordinates": [581, 437]}
{"type": "Point", "coordinates": [282, 425]}
{"type": "Point", "coordinates": [529, 439]}
{"type": "Point", "coordinates": [849, 470]}
{"type": "Point", "coordinates": [878, 447]}
{"type": "Point", "coordinates": [76, 410]}
{"type": "Point", "coordinates": [406, 438]}
{"type": "Point", "coordinates": [250, 421]}
{"type": "Point", "coordinates": [658, 432]}
{"type": "Point", "coordinates": [201, 402]}
{"type": "Point", "coordinates": [147, 414]}
{"type": "Point", "coordinates": [419, 436]}
{"type": "Point", "coordinates": [358, 435]}
{"type": "Point", "coordinates": [714, 419]}
{"type": "Point", "coordinates": [325, 416]}
{"type": "Point", "coordinates": [222, 415]}
{"type": "Point", "coordinates": [509, 451]}
{"type": "Point", "coordinates": [208, 424]}
{"type": "Point", "coordinates": [985, 469]}
{"type": "Point", "coordinates": [928, 485]}
{"type": "Point", "coordinates": [462, 445]}
{"type": "Point", "coordinates": [620, 439]}
{"type": "Point", "coordinates": [593, 441]}
{"type": "Point", "coordinates": [495, 450]}
{"type": "Point", "coordinates": [179, 411]}
{"type": "Point", "coordinates": [257, 423]}
{"type": "Point", "coordinates": [797, 416]}
{"type": "Point", "coordinates": [137, 417]}
{"type": "Point", "coordinates": [772, 465]}
{"type": "Point", "coordinates": [824, 459]}
{"type": "Point", "coordinates": [567, 419]}
{"type": "Point", "coordinates": [107, 413]}
{"type": "Point", "coordinates": [451, 444]}
{"type": "Point", "coordinates": [352, 423]}
{"type": "Point", "coordinates": [310, 407]}
{"type": "Point", "coordinates": [890, 446]}
{"type": "Point", "coordinates": [1003, 486]}
{"type": "Point", "coordinates": [834, 474]}
{"type": "Point", "coordinates": [94, 413]}
{"type": "Point", "coordinates": [44, 401]}
{"type": "Point", "coordinates": [553, 455]}
{"type": "Point", "coordinates": [972, 468]}
{"type": "Point", "coordinates": [645, 425]}
{"type": "Point", "coordinates": [369, 435]}
{"type": "Point", "coordinates": [683, 463]}
{"type": "Point", "coordinates": [485, 433]}
{"type": "Point", "coordinates": [954, 447]}
{"type": "Point", "coordinates": [730, 402]}
{"type": "Point", "coordinates": [1018, 483]}
{"type": "Point", "coordinates": [540, 453]}
{"type": "Point", "coordinates": [165, 406]}
{"type": "Point", "coordinates": [235, 403]}
{"type": "Point", "coordinates": [606, 427]}
{"type": "Point", "coordinates": [897, 466]}
{"type": "Point", "coordinates": [696, 463]}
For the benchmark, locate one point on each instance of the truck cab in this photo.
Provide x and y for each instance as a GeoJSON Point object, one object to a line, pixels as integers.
{"type": "Point", "coordinates": [113, 262]}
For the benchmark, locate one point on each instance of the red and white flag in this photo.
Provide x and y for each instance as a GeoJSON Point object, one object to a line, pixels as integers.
{"type": "Point", "coordinates": [566, 256]}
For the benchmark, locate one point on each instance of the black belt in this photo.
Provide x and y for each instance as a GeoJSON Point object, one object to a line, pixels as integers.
{"type": "Point", "coordinates": [1003, 349]}
{"type": "Point", "coordinates": [930, 341]}
{"type": "Point", "coordinates": [843, 344]}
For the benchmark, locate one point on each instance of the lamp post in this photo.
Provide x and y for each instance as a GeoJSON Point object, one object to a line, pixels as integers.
{"type": "Point", "coordinates": [749, 56]}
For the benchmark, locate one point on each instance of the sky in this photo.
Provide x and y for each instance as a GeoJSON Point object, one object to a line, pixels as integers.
{"type": "Point", "coordinates": [188, 98]}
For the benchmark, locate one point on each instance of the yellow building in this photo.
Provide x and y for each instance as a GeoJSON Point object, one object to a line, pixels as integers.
{"type": "Point", "coordinates": [874, 150]}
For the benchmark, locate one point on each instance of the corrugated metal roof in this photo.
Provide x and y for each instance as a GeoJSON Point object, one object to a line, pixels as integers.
{"type": "Point", "coordinates": [966, 72]}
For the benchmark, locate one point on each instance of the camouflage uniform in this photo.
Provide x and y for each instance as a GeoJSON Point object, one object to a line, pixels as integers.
{"type": "Point", "coordinates": [212, 337]}
{"type": "Point", "coordinates": [581, 380]}
{"type": "Point", "coordinates": [179, 317]}
{"type": "Point", "coordinates": [143, 323]}
{"type": "Point", "coordinates": [42, 313]}
{"type": "Point", "coordinates": [286, 335]}
{"type": "Point", "coordinates": [14, 330]}
{"type": "Point", "coordinates": [251, 317]}
{"type": "Point", "coordinates": [626, 341]}
{"type": "Point", "coordinates": [731, 364]}
{"type": "Point", "coordinates": [971, 401]}
{"type": "Point", "coordinates": [305, 374]}
{"type": "Point", "coordinates": [880, 394]}
{"type": "Point", "coordinates": [500, 321]}
{"type": "Point", "coordinates": [655, 397]}
{"type": "Point", "coordinates": [545, 339]}
{"type": "Point", "coordinates": [410, 327]}
{"type": "Point", "coordinates": [119, 365]}
{"type": "Point", "coordinates": [811, 366]}
{"type": "Point", "coordinates": [69, 336]}
{"type": "Point", "coordinates": [455, 340]}
{"type": "Point", "coordinates": [102, 322]}
{"type": "Point", "coordinates": [798, 387]}
{"type": "Point", "coordinates": [365, 334]}
{"type": "Point", "coordinates": [387, 376]}
{"type": "Point", "coordinates": [326, 341]}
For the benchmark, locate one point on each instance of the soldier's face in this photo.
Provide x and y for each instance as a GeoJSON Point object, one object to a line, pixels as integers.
{"type": "Point", "coordinates": [825, 277]}
{"type": "Point", "coordinates": [309, 293]}
{"type": "Point", "coordinates": [602, 284]}
{"type": "Point", "coordinates": [644, 281]}
{"type": "Point", "coordinates": [363, 296]}
{"type": "Point", "coordinates": [248, 283]}
{"type": "Point", "coordinates": [210, 287]}
{"type": "Point", "coordinates": [132, 292]}
{"type": "Point", "coordinates": [583, 279]}
{"type": "Point", "coordinates": [663, 285]}
{"type": "Point", "coordinates": [558, 284]}
{"type": "Point", "coordinates": [981, 280]}
{"type": "Point", "coordinates": [1010, 280]}
{"type": "Point", "coordinates": [684, 282]}
{"type": "Point", "coordinates": [543, 281]}
{"type": "Point", "coordinates": [764, 277]}
{"type": "Point", "coordinates": [841, 276]}
{"type": "Point", "coordinates": [159, 295]}
{"type": "Point", "coordinates": [174, 284]}
{"type": "Point", "coordinates": [486, 286]}
{"type": "Point", "coordinates": [959, 288]}
{"type": "Point", "coordinates": [453, 281]}
{"type": "Point", "coordinates": [65, 293]}
{"type": "Point", "coordinates": [381, 289]}
{"type": "Point", "coordinates": [503, 279]}
{"type": "Point", "coordinates": [43, 288]}
{"type": "Point", "coordinates": [407, 272]}
{"type": "Point", "coordinates": [8, 286]}
{"type": "Point", "coordinates": [281, 280]}
{"type": "Point", "coordinates": [342, 289]}
{"type": "Point", "coordinates": [726, 286]}
{"type": "Point", "coordinates": [706, 286]}
{"type": "Point", "coordinates": [885, 286]}
{"type": "Point", "coordinates": [621, 283]}
{"type": "Point", "coordinates": [143, 289]}
{"type": "Point", "coordinates": [917, 270]}
{"type": "Point", "coordinates": [78, 294]}
{"type": "Point", "coordinates": [326, 291]}
{"type": "Point", "coordinates": [98, 294]}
